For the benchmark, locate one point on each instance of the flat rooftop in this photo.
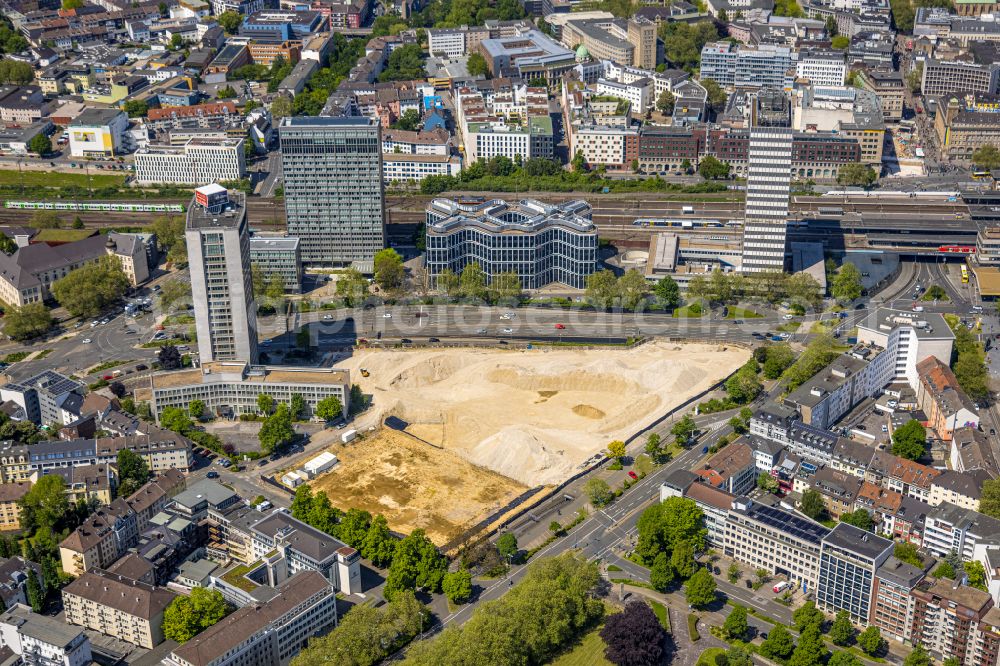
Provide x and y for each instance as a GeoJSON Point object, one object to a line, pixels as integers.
{"type": "Point", "coordinates": [211, 373]}
{"type": "Point", "coordinates": [230, 217]}
{"type": "Point", "coordinates": [858, 541]}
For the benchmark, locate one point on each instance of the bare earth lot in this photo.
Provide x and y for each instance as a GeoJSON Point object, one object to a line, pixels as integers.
{"type": "Point", "coordinates": [496, 422]}
{"type": "Point", "coordinates": [536, 415]}
{"type": "Point", "coordinates": [413, 484]}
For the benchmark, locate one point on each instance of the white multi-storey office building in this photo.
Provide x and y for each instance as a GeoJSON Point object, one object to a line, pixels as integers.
{"type": "Point", "coordinates": [768, 184]}
{"type": "Point", "coordinates": [541, 243]}
{"type": "Point", "coordinates": [218, 245]}
{"type": "Point", "coordinates": [822, 68]}
{"type": "Point", "coordinates": [196, 162]}
{"type": "Point", "coordinates": [907, 338]}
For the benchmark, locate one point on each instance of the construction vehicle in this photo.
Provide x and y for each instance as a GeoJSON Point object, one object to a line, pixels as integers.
{"type": "Point", "coordinates": [364, 372]}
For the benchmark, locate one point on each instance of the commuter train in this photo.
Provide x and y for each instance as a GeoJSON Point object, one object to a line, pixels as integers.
{"type": "Point", "coordinates": [97, 206]}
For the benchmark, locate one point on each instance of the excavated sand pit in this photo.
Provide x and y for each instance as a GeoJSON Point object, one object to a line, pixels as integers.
{"type": "Point", "coordinates": [536, 415]}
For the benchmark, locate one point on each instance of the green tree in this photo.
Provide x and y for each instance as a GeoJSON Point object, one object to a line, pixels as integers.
{"type": "Point", "coordinates": [847, 284]}
{"type": "Point", "coordinates": [661, 574]}
{"type": "Point", "coordinates": [415, 564]}
{"type": "Point", "coordinates": [711, 168]}
{"type": "Point", "coordinates": [598, 491]}
{"type": "Point", "coordinates": [276, 431]}
{"type": "Point", "coordinates": [378, 545]}
{"type": "Point", "coordinates": [700, 589]}
{"type": "Point", "coordinates": [813, 504]}
{"type": "Point", "coordinates": [945, 570]}
{"type": "Point", "coordinates": [44, 506]}
{"type": "Point", "coordinates": [807, 615]}
{"type": "Point", "coordinates": [186, 617]}
{"type": "Point", "coordinates": [45, 219]}
{"type": "Point", "coordinates": [366, 635]}
{"type": "Point", "coordinates": [36, 597]}
{"type": "Point", "coordinates": [665, 102]}
{"type": "Point", "coordinates": [842, 631]}
{"type": "Point", "coordinates": [173, 291]}
{"type": "Point", "coordinates": [406, 63]}
{"type": "Point", "coordinates": [15, 72]}
{"type": "Point", "coordinates": [265, 403]}
{"type": "Point", "coordinates": [914, 78]}
{"type": "Point", "coordinates": [664, 525]}
{"type": "Point", "coordinates": [840, 42]}
{"type": "Point", "coordinates": [736, 626]}
{"type": "Point", "coordinates": [918, 657]}
{"type": "Point", "coordinates": [133, 472]}
{"type": "Point", "coordinates": [197, 409]}
{"type": "Point", "coordinates": [779, 358]}
{"type": "Point", "coordinates": [329, 408]}
{"type": "Point", "coordinates": [907, 552]}
{"type": "Point", "coordinates": [870, 641]}
{"type": "Point", "coordinates": [230, 21]}
{"type": "Point", "coordinates": [477, 65]}
{"type": "Point", "coordinates": [530, 624]}
{"type": "Point", "coordinates": [457, 586]}
{"type": "Point", "coordinates": [810, 649]}
{"type": "Point", "coordinates": [778, 645]}
{"type": "Point", "coordinates": [297, 406]}
{"type": "Point", "coordinates": [601, 289]}
{"type": "Point", "coordinates": [353, 527]}
{"type": "Point", "coordinates": [632, 289]}
{"type": "Point", "coordinates": [976, 574]}
{"type": "Point", "coordinates": [682, 560]}
{"type": "Point", "coordinates": [989, 500]}
{"type": "Point", "coordinates": [986, 157]}
{"type": "Point", "coordinates": [856, 175]}
{"type": "Point", "coordinates": [667, 292]}
{"type": "Point", "coordinates": [744, 385]}
{"type": "Point", "coordinates": [505, 287]}
{"type": "Point", "coordinates": [40, 144]}
{"type": "Point", "coordinates": [7, 245]}
{"type": "Point", "coordinates": [281, 107]}
{"type": "Point", "coordinates": [616, 449]}
{"type": "Point", "coordinates": [26, 322]}
{"type": "Point", "coordinates": [135, 108]}
{"type": "Point", "coordinates": [859, 518]}
{"type": "Point", "coordinates": [843, 659]}
{"type": "Point", "coordinates": [767, 483]}
{"type": "Point", "coordinates": [507, 545]}
{"type": "Point", "coordinates": [90, 289]}
{"type": "Point", "coordinates": [909, 440]}
{"type": "Point", "coordinates": [717, 98]}
{"type": "Point", "coordinates": [684, 430]}
{"type": "Point", "coordinates": [472, 282]}
{"type": "Point", "coordinates": [654, 447]}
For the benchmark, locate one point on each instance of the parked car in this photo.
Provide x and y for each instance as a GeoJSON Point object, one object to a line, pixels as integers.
{"type": "Point", "coordinates": [780, 587]}
{"type": "Point", "coordinates": [212, 475]}
{"type": "Point", "coordinates": [560, 327]}
{"type": "Point", "coordinates": [87, 341]}
{"type": "Point", "coordinates": [633, 475]}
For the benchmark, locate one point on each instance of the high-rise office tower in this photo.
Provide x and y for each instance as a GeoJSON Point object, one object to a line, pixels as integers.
{"type": "Point", "coordinates": [218, 245]}
{"type": "Point", "coordinates": [769, 178]}
{"type": "Point", "coordinates": [334, 197]}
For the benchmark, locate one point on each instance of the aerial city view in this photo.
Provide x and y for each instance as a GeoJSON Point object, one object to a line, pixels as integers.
{"type": "Point", "coordinates": [500, 332]}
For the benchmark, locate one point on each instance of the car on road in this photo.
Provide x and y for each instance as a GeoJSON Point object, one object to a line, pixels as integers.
{"type": "Point", "coordinates": [387, 315]}
{"type": "Point", "coordinates": [633, 475]}
{"type": "Point", "coordinates": [885, 428]}
{"type": "Point", "coordinates": [704, 450]}
{"type": "Point", "coordinates": [786, 317]}
{"type": "Point", "coordinates": [433, 340]}
{"type": "Point", "coordinates": [327, 317]}
{"type": "Point", "coordinates": [225, 462]}
{"type": "Point", "coordinates": [212, 475]}
{"type": "Point", "coordinates": [508, 331]}
{"type": "Point", "coordinates": [504, 316]}
{"type": "Point", "coordinates": [141, 367]}
{"type": "Point", "coordinates": [87, 341]}
{"type": "Point", "coordinates": [94, 323]}
{"type": "Point", "coordinates": [406, 341]}
{"type": "Point", "coordinates": [560, 327]}
{"type": "Point", "coordinates": [481, 331]}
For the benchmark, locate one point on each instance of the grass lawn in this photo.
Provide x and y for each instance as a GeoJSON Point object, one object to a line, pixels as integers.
{"type": "Point", "coordinates": [743, 313]}
{"type": "Point", "coordinates": [708, 657]}
{"type": "Point", "coordinates": [790, 326]}
{"type": "Point", "coordinates": [59, 179]}
{"type": "Point", "coordinates": [661, 613]}
{"type": "Point", "coordinates": [824, 326]}
{"type": "Point", "coordinates": [63, 235]}
{"type": "Point", "coordinates": [589, 651]}
{"type": "Point", "coordinates": [689, 311]}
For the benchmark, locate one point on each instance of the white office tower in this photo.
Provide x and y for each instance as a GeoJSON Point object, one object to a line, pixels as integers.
{"type": "Point", "coordinates": [768, 183]}
{"type": "Point", "coordinates": [218, 245]}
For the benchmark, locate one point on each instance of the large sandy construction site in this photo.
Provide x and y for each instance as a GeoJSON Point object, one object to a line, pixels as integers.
{"type": "Point", "coordinates": [535, 415]}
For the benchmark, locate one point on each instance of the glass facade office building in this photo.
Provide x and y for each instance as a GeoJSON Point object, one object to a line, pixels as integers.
{"type": "Point", "coordinates": [334, 197]}
{"type": "Point", "coordinates": [541, 243]}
